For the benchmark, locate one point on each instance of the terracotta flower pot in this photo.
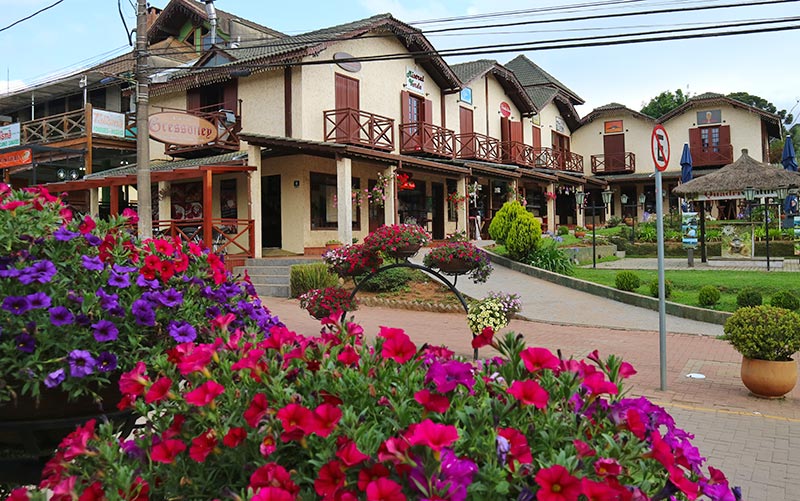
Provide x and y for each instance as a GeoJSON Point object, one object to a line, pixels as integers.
{"type": "Point", "coordinates": [769, 379]}
{"type": "Point", "coordinates": [580, 234]}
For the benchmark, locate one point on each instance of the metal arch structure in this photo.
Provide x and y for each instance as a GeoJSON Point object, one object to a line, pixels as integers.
{"type": "Point", "coordinates": [406, 264]}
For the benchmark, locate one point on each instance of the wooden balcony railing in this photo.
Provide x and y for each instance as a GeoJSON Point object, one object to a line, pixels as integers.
{"type": "Point", "coordinates": [474, 146]}
{"type": "Point", "coordinates": [66, 126]}
{"type": "Point", "coordinates": [227, 123]}
{"type": "Point", "coordinates": [548, 158]}
{"type": "Point", "coordinates": [519, 153]}
{"type": "Point", "coordinates": [712, 155]}
{"type": "Point", "coordinates": [229, 236]}
{"type": "Point", "coordinates": [429, 139]}
{"type": "Point", "coordinates": [351, 126]}
{"type": "Point", "coordinates": [623, 163]}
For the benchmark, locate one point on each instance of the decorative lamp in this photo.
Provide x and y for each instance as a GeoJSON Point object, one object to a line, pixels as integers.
{"type": "Point", "coordinates": [782, 191]}
{"type": "Point", "coordinates": [580, 196]}
{"type": "Point", "coordinates": [624, 199]}
{"type": "Point", "coordinates": [642, 198]}
{"type": "Point", "coordinates": [750, 193]}
{"type": "Point", "coordinates": [607, 194]}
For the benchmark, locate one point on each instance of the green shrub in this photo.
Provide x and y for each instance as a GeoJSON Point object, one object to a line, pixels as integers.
{"type": "Point", "coordinates": [562, 230]}
{"type": "Point", "coordinates": [764, 332]}
{"type": "Point", "coordinates": [523, 236]}
{"type": "Point", "coordinates": [304, 277]}
{"type": "Point", "coordinates": [667, 288]}
{"type": "Point", "coordinates": [708, 296]}
{"type": "Point", "coordinates": [785, 299]}
{"type": "Point", "coordinates": [548, 256]}
{"type": "Point", "coordinates": [748, 297]}
{"type": "Point", "coordinates": [646, 232]}
{"type": "Point", "coordinates": [627, 281]}
{"type": "Point", "coordinates": [613, 221]}
{"type": "Point", "coordinates": [391, 280]}
{"type": "Point", "coordinates": [502, 221]}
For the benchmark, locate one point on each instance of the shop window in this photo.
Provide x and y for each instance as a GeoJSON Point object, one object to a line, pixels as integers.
{"type": "Point", "coordinates": [324, 204]}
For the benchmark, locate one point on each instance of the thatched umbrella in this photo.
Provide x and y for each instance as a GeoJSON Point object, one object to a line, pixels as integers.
{"type": "Point", "coordinates": [730, 181]}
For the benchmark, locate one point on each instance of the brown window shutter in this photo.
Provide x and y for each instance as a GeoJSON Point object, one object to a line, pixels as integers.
{"type": "Point", "coordinates": [537, 137]}
{"type": "Point", "coordinates": [724, 134]}
{"type": "Point", "coordinates": [428, 112]}
{"type": "Point", "coordinates": [695, 143]}
{"type": "Point", "coordinates": [404, 106]}
{"type": "Point", "coordinates": [230, 96]}
{"type": "Point", "coordinates": [505, 129]}
{"type": "Point", "coordinates": [192, 99]}
{"type": "Point", "coordinates": [516, 131]}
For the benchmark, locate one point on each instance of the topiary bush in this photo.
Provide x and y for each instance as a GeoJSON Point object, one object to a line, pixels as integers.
{"type": "Point", "coordinates": [708, 296]}
{"type": "Point", "coordinates": [304, 277]}
{"type": "Point", "coordinates": [562, 230]}
{"type": "Point", "coordinates": [667, 289]}
{"type": "Point", "coordinates": [785, 299]}
{"type": "Point", "coordinates": [501, 222]}
{"type": "Point", "coordinates": [627, 281]}
{"type": "Point", "coordinates": [748, 297]}
{"type": "Point", "coordinates": [523, 236]}
{"type": "Point", "coordinates": [764, 332]}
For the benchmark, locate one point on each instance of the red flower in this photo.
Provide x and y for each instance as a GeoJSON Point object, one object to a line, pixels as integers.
{"type": "Point", "coordinates": [349, 356]}
{"type": "Point", "coordinates": [539, 358]}
{"type": "Point", "coordinates": [485, 338]}
{"type": "Point", "coordinates": [601, 491]}
{"type": "Point", "coordinates": [257, 410]}
{"type": "Point", "coordinates": [330, 478]}
{"type": "Point", "coordinates": [234, 437]}
{"type": "Point", "coordinates": [596, 384]}
{"type": "Point", "coordinates": [518, 446]}
{"type": "Point", "coordinates": [87, 225]}
{"type": "Point", "coordinates": [297, 421]}
{"type": "Point", "coordinates": [384, 489]}
{"type": "Point", "coordinates": [272, 494]}
{"type": "Point", "coordinates": [393, 449]}
{"type": "Point", "coordinates": [626, 370]}
{"type": "Point", "coordinates": [166, 450]}
{"type": "Point", "coordinates": [93, 493]}
{"type": "Point", "coordinates": [529, 392]}
{"type": "Point", "coordinates": [398, 345]}
{"type": "Point", "coordinates": [367, 475]}
{"type": "Point", "coordinates": [74, 444]}
{"type": "Point", "coordinates": [433, 435]}
{"type": "Point", "coordinates": [635, 423]}
{"type": "Point", "coordinates": [202, 446]}
{"type": "Point", "coordinates": [557, 484]}
{"type": "Point", "coordinates": [327, 416]}
{"type": "Point", "coordinates": [192, 358]}
{"type": "Point", "coordinates": [273, 475]}
{"type": "Point", "coordinates": [18, 494]}
{"type": "Point", "coordinates": [349, 454]}
{"type": "Point", "coordinates": [583, 449]}
{"type": "Point", "coordinates": [607, 467]}
{"type": "Point", "coordinates": [204, 394]}
{"type": "Point", "coordinates": [139, 491]}
{"type": "Point", "coordinates": [133, 382]}
{"type": "Point", "coordinates": [433, 402]}
{"type": "Point", "coordinates": [158, 391]}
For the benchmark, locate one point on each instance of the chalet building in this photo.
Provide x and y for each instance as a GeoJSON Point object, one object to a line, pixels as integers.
{"type": "Point", "coordinates": [287, 142]}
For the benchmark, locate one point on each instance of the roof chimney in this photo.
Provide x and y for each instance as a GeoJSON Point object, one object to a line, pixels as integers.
{"type": "Point", "coordinates": [212, 19]}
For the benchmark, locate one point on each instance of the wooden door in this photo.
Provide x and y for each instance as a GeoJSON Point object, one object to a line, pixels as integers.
{"type": "Point", "coordinates": [465, 122]}
{"type": "Point", "coordinates": [413, 111]}
{"type": "Point", "coordinates": [437, 207]}
{"type": "Point", "coordinates": [347, 101]}
{"type": "Point", "coordinates": [614, 152]}
{"type": "Point", "coordinates": [537, 137]}
{"type": "Point", "coordinates": [271, 211]}
{"type": "Point", "coordinates": [560, 148]}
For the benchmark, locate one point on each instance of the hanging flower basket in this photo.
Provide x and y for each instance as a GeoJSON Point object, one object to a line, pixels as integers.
{"type": "Point", "coordinates": [352, 260]}
{"type": "Point", "coordinates": [404, 252]}
{"type": "Point", "coordinates": [399, 241]}
{"type": "Point", "coordinates": [320, 303]}
{"type": "Point", "coordinates": [456, 267]}
{"type": "Point", "coordinates": [459, 258]}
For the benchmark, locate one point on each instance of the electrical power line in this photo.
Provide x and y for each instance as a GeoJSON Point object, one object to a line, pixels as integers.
{"type": "Point", "coordinates": [32, 15]}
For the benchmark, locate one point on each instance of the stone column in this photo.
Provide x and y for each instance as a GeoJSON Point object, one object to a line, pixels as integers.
{"type": "Point", "coordinates": [550, 203]}
{"type": "Point", "coordinates": [254, 187]}
{"type": "Point", "coordinates": [463, 209]}
{"type": "Point", "coordinates": [94, 201]}
{"type": "Point", "coordinates": [344, 197]}
{"type": "Point", "coordinates": [390, 205]}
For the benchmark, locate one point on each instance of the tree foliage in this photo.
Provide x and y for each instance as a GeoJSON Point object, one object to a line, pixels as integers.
{"type": "Point", "coordinates": [664, 103]}
{"type": "Point", "coordinates": [762, 104]}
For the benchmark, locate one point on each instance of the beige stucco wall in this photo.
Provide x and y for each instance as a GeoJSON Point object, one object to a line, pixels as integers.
{"type": "Point", "coordinates": [745, 131]}
{"type": "Point", "coordinates": [588, 140]}
{"type": "Point", "coordinates": [262, 98]}
{"type": "Point", "coordinates": [380, 84]}
{"type": "Point", "coordinates": [548, 116]}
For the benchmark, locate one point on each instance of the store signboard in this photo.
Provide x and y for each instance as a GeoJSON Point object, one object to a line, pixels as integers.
{"type": "Point", "coordinates": [9, 135]}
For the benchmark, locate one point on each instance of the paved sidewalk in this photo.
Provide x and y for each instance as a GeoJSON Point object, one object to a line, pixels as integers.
{"type": "Point", "coordinates": [672, 263]}
{"type": "Point", "coordinates": [756, 442]}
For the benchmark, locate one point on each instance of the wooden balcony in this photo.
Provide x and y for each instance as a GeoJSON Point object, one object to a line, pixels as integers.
{"type": "Point", "coordinates": [548, 158]}
{"type": "Point", "coordinates": [74, 128]}
{"type": "Point", "coordinates": [427, 139]}
{"type": "Point", "coordinates": [474, 146]}
{"type": "Point", "coordinates": [711, 156]}
{"type": "Point", "coordinates": [615, 163]}
{"type": "Point", "coordinates": [519, 153]}
{"type": "Point", "coordinates": [227, 123]}
{"type": "Point", "coordinates": [351, 126]}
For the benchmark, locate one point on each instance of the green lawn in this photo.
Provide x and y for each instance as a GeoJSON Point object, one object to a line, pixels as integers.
{"type": "Point", "coordinates": [687, 283]}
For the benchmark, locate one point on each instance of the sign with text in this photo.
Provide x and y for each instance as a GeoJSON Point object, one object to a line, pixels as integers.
{"type": "Point", "coordinates": [182, 129]}
{"type": "Point", "coordinates": [415, 81]}
{"type": "Point", "coordinates": [16, 158]}
{"type": "Point", "coordinates": [108, 123]}
{"type": "Point", "coordinates": [9, 135]}
{"type": "Point", "coordinates": [689, 229]}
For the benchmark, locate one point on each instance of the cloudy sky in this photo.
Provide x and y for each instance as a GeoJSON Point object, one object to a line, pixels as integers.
{"type": "Point", "coordinates": [75, 33]}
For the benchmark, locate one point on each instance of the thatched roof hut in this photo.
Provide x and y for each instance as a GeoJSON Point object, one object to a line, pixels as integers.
{"type": "Point", "coordinates": [732, 179]}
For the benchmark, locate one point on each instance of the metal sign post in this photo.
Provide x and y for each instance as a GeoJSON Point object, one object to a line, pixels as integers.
{"type": "Point", "coordinates": [659, 143]}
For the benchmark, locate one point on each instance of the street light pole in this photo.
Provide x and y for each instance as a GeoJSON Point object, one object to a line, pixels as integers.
{"type": "Point", "coordinates": [144, 206]}
{"type": "Point", "coordinates": [580, 197]}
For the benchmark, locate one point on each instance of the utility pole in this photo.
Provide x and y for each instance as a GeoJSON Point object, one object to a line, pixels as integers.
{"type": "Point", "coordinates": [142, 129]}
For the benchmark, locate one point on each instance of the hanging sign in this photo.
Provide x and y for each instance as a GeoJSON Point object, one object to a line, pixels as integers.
{"type": "Point", "coordinates": [466, 95]}
{"type": "Point", "coordinates": [415, 81]}
{"type": "Point", "coordinates": [108, 123]}
{"type": "Point", "coordinates": [343, 61]}
{"type": "Point", "coordinates": [9, 135]}
{"type": "Point", "coordinates": [16, 158]}
{"type": "Point", "coordinates": [183, 129]}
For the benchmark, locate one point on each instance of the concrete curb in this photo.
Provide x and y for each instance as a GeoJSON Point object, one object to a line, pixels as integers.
{"type": "Point", "coordinates": [411, 305]}
{"type": "Point", "coordinates": [679, 310]}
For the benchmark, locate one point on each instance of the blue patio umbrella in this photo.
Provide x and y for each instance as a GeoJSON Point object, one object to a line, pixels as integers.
{"type": "Point", "coordinates": [686, 164]}
{"type": "Point", "coordinates": [788, 158]}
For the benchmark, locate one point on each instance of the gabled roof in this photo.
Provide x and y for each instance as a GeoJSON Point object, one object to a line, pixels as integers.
{"type": "Point", "coordinates": [471, 71]}
{"type": "Point", "coordinates": [613, 109]}
{"type": "Point", "coordinates": [772, 121]}
{"type": "Point", "coordinates": [264, 55]}
{"type": "Point", "coordinates": [531, 75]}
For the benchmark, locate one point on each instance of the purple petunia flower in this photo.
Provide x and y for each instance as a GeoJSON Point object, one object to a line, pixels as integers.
{"type": "Point", "coordinates": [60, 315]}
{"type": "Point", "coordinates": [81, 363]}
{"type": "Point", "coordinates": [41, 271]}
{"type": "Point", "coordinates": [119, 280]}
{"type": "Point", "coordinates": [25, 342]}
{"type": "Point", "coordinates": [93, 240]}
{"type": "Point", "coordinates": [124, 269]}
{"type": "Point", "coordinates": [74, 296]}
{"type": "Point", "coordinates": [9, 273]}
{"type": "Point", "coordinates": [132, 450]}
{"type": "Point", "coordinates": [147, 284]}
{"type": "Point", "coordinates": [143, 312]}
{"type": "Point", "coordinates": [106, 362]}
{"type": "Point", "coordinates": [108, 301]}
{"type": "Point", "coordinates": [182, 332]}
{"type": "Point", "coordinates": [64, 235]}
{"type": "Point", "coordinates": [105, 330]}
{"type": "Point", "coordinates": [446, 376]}
{"type": "Point", "coordinates": [170, 298]}
{"type": "Point", "coordinates": [55, 378]}
{"type": "Point", "coordinates": [92, 263]}
{"type": "Point", "coordinates": [16, 304]}
{"type": "Point", "coordinates": [39, 300]}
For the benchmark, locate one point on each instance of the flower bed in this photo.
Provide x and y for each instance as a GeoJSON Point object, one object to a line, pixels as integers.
{"type": "Point", "coordinates": [476, 261]}
{"type": "Point", "coordinates": [293, 417]}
